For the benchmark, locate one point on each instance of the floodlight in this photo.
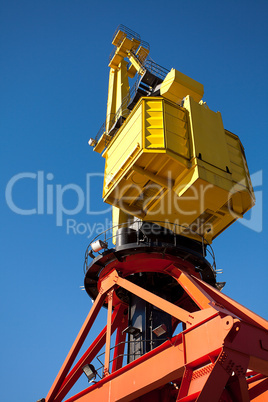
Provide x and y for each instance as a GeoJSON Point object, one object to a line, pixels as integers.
{"type": "Point", "coordinates": [90, 372]}
{"type": "Point", "coordinates": [220, 285]}
{"type": "Point", "coordinates": [132, 331]}
{"type": "Point", "coordinates": [92, 142]}
{"type": "Point", "coordinates": [160, 330]}
{"type": "Point", "coordinates": [98, 245]}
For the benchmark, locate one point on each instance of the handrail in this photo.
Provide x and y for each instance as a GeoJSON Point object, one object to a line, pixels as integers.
{"type": "Point", "coordinates": [155, 68]}
{"type": "Point", "coordinates": [129, 33]}
{"type": "Point", "coordinates": [108, 236]}
{"type": "Point", "coordinates": [140, 341]}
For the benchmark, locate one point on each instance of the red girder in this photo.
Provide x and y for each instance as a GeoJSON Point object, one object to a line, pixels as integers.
{"type": "Point", "coordinates": [209, 361]}
{"type": "Point", "coordinates": [118, 321]}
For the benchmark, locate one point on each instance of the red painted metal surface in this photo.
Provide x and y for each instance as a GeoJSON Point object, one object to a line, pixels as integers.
{"type": "Point", "coordinates": [90, 354]}
{"type": "Point", "coordinates": [221, 354]}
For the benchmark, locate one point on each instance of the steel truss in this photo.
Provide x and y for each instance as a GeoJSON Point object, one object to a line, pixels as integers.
{"type": "Point", "coordinates": [221, 355]}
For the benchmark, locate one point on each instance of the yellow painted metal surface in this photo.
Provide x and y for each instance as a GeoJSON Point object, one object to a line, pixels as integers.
{"type": "Point", "coordinates": [102, 143]}
{"type": "Point", "coordinates": [111, 101]}
{"type": "Point", "coordinates": [171, 160]}
{"type": "Point", "coordinates": [123, 46]}
{"type": "Point", "coordinates": [177, 85]}
{"type": "Point", "coordinates": [117, 91]}
{"type": "Point", "coordinates": [209, 141]}
{"type": "Point", "coordinates": [136, 65]}
{"type": "Point", "coordinates": [178, 164]}
{"type": "Point", "coordinates": [153, 119]}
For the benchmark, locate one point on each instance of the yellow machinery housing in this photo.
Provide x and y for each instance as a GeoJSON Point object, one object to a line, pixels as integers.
{"type": "Point", "coordinates": [171, 161]}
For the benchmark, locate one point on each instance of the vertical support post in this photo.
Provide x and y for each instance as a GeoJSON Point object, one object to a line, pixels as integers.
{"type": "Point", "coordinates": [119, 351]}
{"type": "Point", "coordinates": [108, 333]}
{"type": "Point", "coordinates": [122, 89]}
{"type": "Point", "coordinates": [119, 345]}
{"type": "Point", "coordinates": [117, 91]}
{"type": "Point", "coordinates": [111, 102]}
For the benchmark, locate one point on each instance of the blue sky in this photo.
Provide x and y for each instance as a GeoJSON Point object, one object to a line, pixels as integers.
{"type": "Point", "coordinates": [53, 79]}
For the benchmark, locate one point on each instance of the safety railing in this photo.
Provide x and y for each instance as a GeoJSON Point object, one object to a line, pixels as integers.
{"type": "Point", "coordinates": [122, 111]}
{"type": "Point", "coordinates": [155, 68]}
{"type": "Point", "coordinates": [152, 67]}
{"type": "Point", "coordinates": [126, 33]}
{"type": "Point", "coordinates": [110, 236]}
{"type": "Point", "coordinates": [142, 44]}
{"type": "Point", "coordinates": [135, 354]}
